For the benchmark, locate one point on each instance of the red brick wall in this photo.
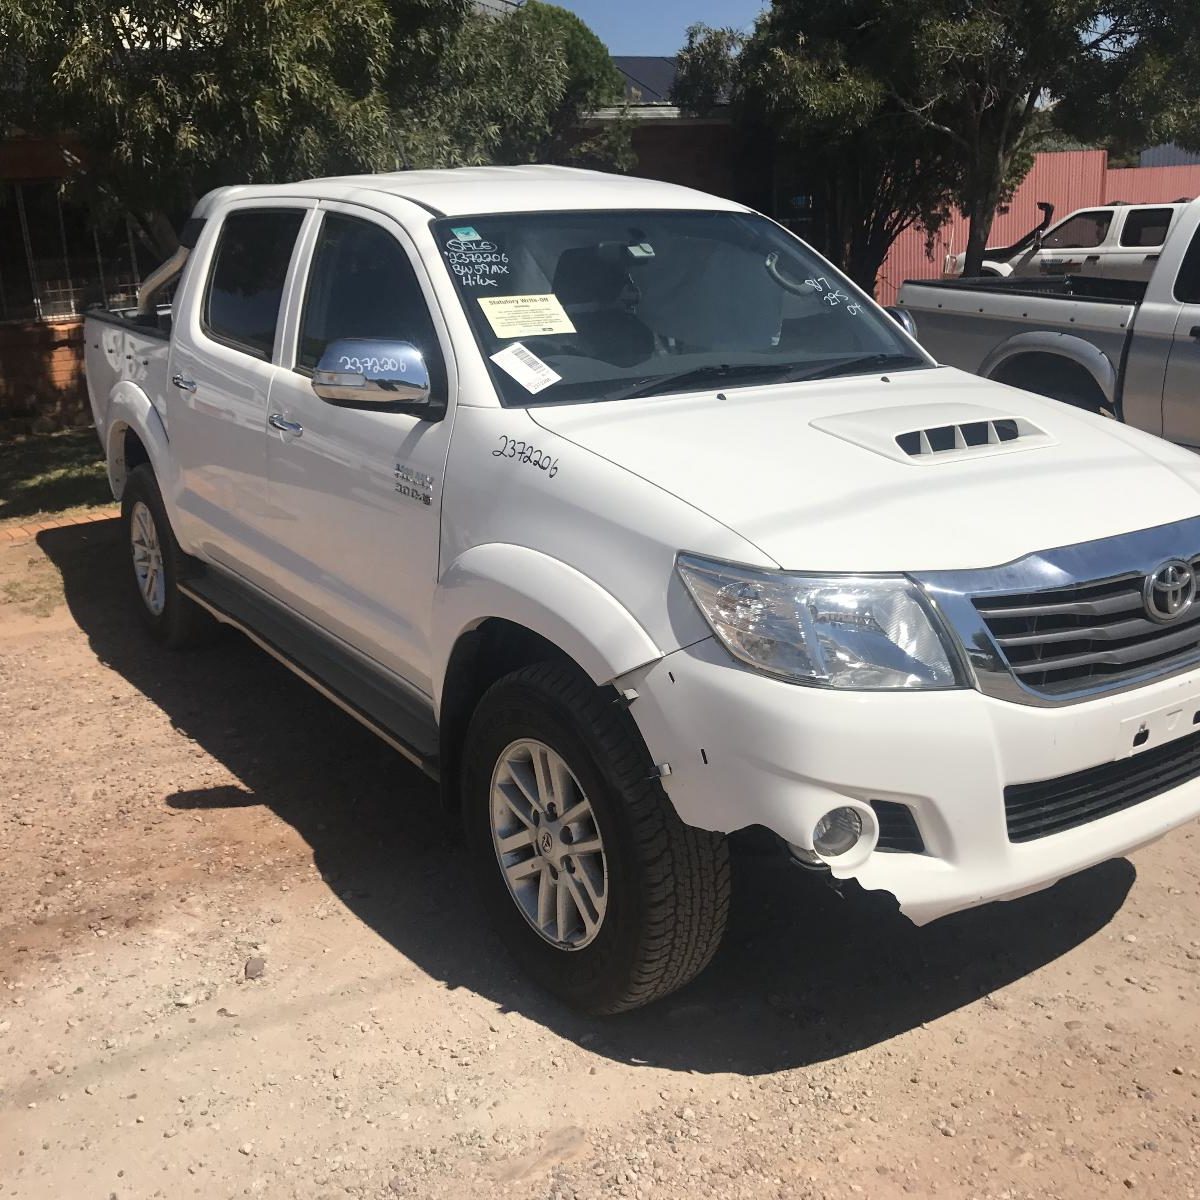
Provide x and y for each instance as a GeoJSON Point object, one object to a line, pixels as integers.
{"type": "Point", "coordinates": [37, 158]}
{"type": "Point", "coordinates": [699, 155]}
{"type": "Point", "coordinates": [41, 373]}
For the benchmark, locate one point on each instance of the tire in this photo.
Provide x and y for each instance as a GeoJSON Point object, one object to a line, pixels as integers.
{"type": "Point", "coordinates": [664, 885]}
{"type": "Point", "coordinates": [157, 565]}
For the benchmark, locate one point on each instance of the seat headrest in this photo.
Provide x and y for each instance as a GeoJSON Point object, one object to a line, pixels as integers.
{"type": "Point", "coordinates": [582, 276]}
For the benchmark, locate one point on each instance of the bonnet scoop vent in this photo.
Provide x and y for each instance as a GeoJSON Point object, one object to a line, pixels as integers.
{"type": "Point", "coordinates": [929, 433]}
{"type": "Point", "coordinates": [944, 439]}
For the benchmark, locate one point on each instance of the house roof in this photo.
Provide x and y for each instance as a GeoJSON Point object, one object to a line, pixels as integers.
{"type": "Point", "coordinates": [648, 77]}
{"type": "Point", "coordinates": [1169, 155]}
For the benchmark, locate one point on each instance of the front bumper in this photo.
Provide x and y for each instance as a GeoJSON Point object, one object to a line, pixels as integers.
{"type": "Point", "coordinates": [746, 749]}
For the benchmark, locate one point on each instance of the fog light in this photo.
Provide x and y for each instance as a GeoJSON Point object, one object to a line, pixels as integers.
{"type": "Point", "coordinates": [837, 832]}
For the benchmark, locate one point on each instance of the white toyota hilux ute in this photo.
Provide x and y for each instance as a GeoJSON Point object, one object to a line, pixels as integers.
{"type": "Point", "coordinates": [619, 510]}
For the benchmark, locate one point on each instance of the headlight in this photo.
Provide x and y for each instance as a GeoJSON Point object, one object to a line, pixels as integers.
{"type": "Point", "coordinates": [844, 631]}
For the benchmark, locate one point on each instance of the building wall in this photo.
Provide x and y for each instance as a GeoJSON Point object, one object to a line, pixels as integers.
{"type": "Point", "coordinates": [696, 154]}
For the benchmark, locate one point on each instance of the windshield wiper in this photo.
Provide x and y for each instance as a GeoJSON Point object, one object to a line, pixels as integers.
{"type": "Point", "coordinates": [789, 373]}
{"type": "Point", "coordinates": [862, 365]}
{"type": "Point", "coordinates": [683, 379]}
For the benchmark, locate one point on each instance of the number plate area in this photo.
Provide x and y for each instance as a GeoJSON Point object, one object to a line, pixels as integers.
{"type": "Point", "coordinates": [1157, 728]}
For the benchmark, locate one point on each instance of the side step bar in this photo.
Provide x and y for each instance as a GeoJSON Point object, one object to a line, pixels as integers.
{"type": "Point", "coordinates": [403, 720]}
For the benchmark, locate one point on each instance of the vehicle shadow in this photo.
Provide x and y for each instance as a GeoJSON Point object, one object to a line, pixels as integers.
{"type": "Point", "coordinates": [804, 975]}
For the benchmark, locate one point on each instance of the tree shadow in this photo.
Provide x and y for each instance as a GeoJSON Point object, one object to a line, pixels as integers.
{"type": "Point", "coordinates": [804, 975]}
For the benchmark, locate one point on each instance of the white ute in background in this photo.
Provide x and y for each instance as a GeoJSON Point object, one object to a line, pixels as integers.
{"type": "Point", "coordinates": [1107, 241]}
{"type": "Point", "coordinates": [619, 510]}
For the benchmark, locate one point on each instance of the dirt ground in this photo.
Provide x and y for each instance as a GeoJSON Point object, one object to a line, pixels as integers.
{"type": "Point", "coordinates": [171, 824]}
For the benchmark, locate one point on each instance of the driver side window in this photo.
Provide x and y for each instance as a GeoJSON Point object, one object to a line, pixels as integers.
{"type": "Point", "coordinates": [1080, 232]}
{"type": "Point", "coordinates": [362, 285]}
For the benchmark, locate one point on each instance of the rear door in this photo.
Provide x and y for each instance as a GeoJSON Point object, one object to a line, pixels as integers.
{"type": "Point", "coordinates": [355, 495]}
{"type": "Point", "coordinates": [222, 367]}
{"type": "Point", "coordinates": [1138, 243]}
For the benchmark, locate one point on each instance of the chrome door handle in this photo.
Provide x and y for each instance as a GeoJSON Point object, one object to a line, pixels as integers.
{"type": "Point", "coordinates": [186, 385]}
{"type": "Point", "coordinates": [285, 426]}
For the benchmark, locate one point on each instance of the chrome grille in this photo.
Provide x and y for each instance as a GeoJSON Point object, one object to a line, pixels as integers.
{"type": "Point", "coordinates": [1084, 635]}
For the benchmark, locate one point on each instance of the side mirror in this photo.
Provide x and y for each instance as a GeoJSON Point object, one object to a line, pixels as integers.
{"type": "Point", "coordinates": [373, 373]}
{"type": "Point", "coordinates": [903, 318]}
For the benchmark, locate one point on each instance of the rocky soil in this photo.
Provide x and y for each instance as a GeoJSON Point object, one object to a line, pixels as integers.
{"type": "Point", "coordinates": [240, 954]}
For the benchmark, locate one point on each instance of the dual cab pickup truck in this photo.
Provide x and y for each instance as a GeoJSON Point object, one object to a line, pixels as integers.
{"type": "Point", "coordinates": [1113, 241]}
{"type": "Point", "coordinates": [620, 511]}
{"type": "Point", "coordinates": [1119, 347]}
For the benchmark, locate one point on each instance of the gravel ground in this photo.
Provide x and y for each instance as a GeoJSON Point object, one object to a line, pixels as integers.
{"type": "Point", "coordinates": [240, 954]}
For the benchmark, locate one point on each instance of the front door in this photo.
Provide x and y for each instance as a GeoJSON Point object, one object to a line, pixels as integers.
{"type": "Point", "coordinates": [355, 495]}
{"type": "Point", "coordinates": [1181, 387]}
{"type": "Point", "coordinates": [1072, 248]}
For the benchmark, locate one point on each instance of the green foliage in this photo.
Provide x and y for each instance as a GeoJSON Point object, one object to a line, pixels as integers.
{"type": "Point", "coordinates": [1116, 70]}
{"type": "Point", "coordinates": [515, 90]}
{"type": "Point", "coordinates": [817, 80]}
{"type": "Point", "coordinates": [168, 100]}
{"type": "Point", "coordinates": [590, 81]}
{"type": "Point", "coordinates": [707, 68]}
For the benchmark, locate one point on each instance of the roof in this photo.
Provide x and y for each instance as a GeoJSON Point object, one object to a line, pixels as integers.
{"type": "Point", "coordinates": [1169, 155]}
{"type": "Point", "coordinates": [466, 191]}
{"type": "Point", "coordinates": [648, 78]}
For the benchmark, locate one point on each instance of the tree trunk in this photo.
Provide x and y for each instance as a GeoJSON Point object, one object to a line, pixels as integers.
{"type": "Point", "coordinates": [866, 259]}
{"type": "Point", "coordinates": [981, 210]}
{"type": "Point", "coordinates": [977, 236]}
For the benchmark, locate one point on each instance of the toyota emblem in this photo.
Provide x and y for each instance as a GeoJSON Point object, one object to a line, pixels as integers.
{"type": "Point", "coordinates": [1169, 591]}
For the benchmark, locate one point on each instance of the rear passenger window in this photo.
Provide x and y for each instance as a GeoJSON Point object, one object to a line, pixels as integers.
{"type": "Point", "coordinates": [1187, 282]}
{"type": "Point", "coordinates": [1083, 229]}
{"type": "Point", "coordinates": [362, 286]}
{"type": "Point", "coordinates": [1146, 227]}
{"type": "Point", "coordinates": [245, 287]}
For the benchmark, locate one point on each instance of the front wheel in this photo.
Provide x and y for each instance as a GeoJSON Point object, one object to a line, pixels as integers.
{"type": "Point", "coordinates": [599, 890]}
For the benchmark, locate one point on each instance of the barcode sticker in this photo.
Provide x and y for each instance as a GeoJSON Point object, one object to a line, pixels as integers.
{"type": "Point", "coordinates": [526, 368]}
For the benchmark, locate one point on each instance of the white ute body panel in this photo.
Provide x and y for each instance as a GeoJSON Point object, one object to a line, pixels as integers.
{"type": "Point", "coordinates": [802, 476]}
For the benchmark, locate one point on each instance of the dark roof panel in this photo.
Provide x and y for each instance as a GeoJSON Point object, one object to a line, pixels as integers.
{"type": "Point", "coordinates": [648, 78]}
{"type": "Point", "coordinates": [1169, 155]}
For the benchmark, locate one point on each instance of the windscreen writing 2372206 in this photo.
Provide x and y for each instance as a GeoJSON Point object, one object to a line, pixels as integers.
{"type": "Point", "coordinates": [616, 305]}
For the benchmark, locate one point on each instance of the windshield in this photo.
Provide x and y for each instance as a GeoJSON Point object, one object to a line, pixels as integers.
{"type": "Point", "coordinates": [590, 306]}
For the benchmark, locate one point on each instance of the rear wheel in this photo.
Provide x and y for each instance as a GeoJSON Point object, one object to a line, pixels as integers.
{"type": "Point", "coordinates": [157, 563]}
{"type": "Point", "coordinates": [597, 887]}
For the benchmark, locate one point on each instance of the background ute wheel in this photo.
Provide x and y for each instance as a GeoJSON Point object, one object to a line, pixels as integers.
{"type": "Point", "coordinates": [601, 892]}
{"type": "Point", "coordinates": [156, 564]}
